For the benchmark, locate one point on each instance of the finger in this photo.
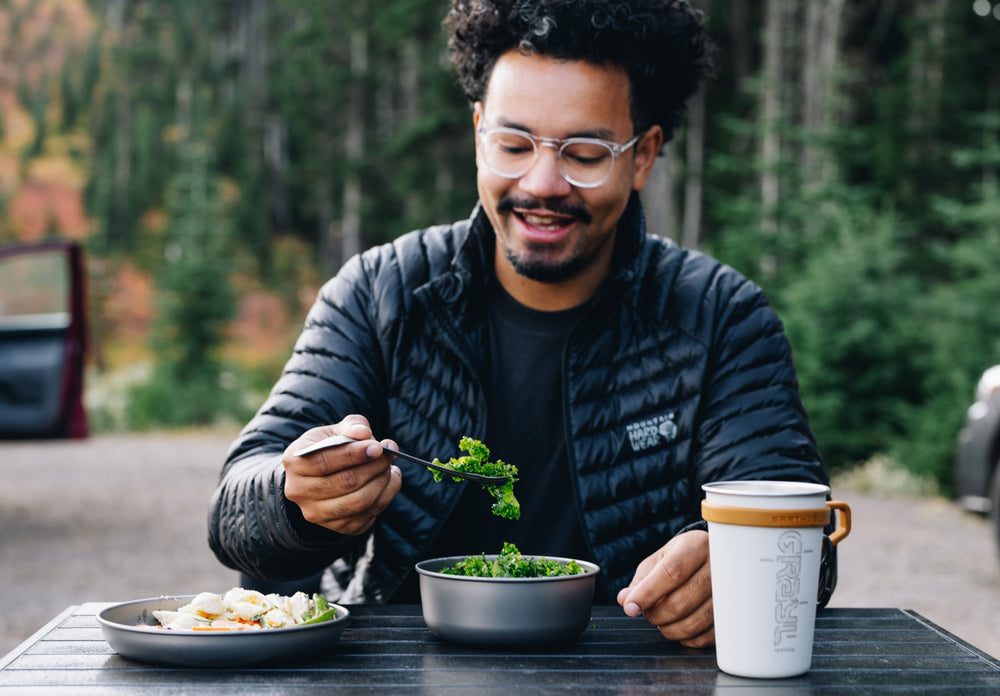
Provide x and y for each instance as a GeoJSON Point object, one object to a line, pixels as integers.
{"type": "Point", "coordinates": [691, 628]}
{"type": "Point", "coordinates": [353, 512]}
{"type": "Point", "coordinates": [669, 568]}
{"type": "Point", "coordinates": [666, 575]}
{"type": "Point", "coordinates": [703, 640]}
{"type": "Point", "coordinates": [393, 486]}
{"type": "Point", "coordinates": [333, 460]}
{"type": "Point", "coordinates": [361, 522]}
{"type": "Point", "coordinates": [325, 483]}
{"type": "Point", "coordinates": [644, 568]}
{"type": "Point", "coordinates": [684, 601]}
{"type": "Point", "coordinates": [354, 426]}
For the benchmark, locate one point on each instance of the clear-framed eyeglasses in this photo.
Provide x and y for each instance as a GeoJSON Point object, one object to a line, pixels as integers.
{"type": "Point", "coordinates": [583, 162]}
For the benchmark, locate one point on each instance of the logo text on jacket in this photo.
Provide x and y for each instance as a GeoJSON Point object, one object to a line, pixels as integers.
{"type": "Point", "coordinates": [650, 432]}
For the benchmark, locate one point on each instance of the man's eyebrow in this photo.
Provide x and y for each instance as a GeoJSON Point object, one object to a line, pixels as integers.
{"type": "Point", "coordinates": [598, 133]}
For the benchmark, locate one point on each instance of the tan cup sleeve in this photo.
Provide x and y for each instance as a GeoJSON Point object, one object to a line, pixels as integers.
{"type": "Point", "coordinates": [757, 517]}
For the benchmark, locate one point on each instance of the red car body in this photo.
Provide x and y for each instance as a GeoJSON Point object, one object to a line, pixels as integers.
{"type": "Point", "coordinates": [43, 340]}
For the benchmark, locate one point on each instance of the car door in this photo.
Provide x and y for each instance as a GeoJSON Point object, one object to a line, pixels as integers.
{"type": "Point", "coordinates": [43, 342]}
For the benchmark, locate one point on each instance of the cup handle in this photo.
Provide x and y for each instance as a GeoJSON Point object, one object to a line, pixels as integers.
{"type": "Point", "coordinates": [843, 520]}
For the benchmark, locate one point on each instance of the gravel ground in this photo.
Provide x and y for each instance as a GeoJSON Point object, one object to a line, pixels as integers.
{"type": "Point", "coordinates": [115, 518]}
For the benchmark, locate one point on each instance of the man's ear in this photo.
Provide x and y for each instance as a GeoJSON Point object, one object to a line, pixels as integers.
{"type": "Point", "coordinates": [646, 151]}
{"type": "Point", "coordinates": [477, 113]}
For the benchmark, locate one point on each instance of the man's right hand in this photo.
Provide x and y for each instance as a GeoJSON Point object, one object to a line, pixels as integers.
{"type": "Point", "coordinates": [342, 488]}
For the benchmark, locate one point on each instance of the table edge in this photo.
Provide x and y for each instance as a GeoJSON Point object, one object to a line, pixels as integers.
{"type": "Point", "coordinates": [23, 646]}
{"type": "Point", "coordinates": [978, 652]}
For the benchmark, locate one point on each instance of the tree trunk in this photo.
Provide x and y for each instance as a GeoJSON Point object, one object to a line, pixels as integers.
{"type": "Point", "coordinates": [276, 161]}
{"type": "Point", "coordinates": [354, 143]}
{"type": "Point", "coordinates": [327, 226]}
{"type": "Point", "coordinates": [770, 114]}
{"type": "Point", "coordinates": [820, 51]}
{"type": "Point", "coordinates": [695, 156]}
{"type": "Point", "coordinates": [658, 196]}
{"type": "Point", "coordinates": [410, 106]}
{"type": "Point", "coordinates": [123, 130]}
{"type": "Point", "coordinates": [739, 22]}
{"type": "Point", "coordinates": [926, 74]}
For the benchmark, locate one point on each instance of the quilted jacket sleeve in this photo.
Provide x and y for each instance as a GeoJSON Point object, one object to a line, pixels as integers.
{"type": "Point", "coordinates": [336, 369]}
{"type": "Point", "coordinates": [752, 424]}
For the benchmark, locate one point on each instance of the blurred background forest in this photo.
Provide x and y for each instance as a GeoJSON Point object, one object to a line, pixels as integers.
{"type": "Point", "coordinates": [219, 159]}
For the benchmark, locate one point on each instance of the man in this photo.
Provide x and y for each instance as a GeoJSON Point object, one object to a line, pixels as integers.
{"type": "Point", "coordinates": [617, 371]}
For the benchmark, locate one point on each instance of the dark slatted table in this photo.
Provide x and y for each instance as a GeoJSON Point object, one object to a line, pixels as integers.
{"type": "Point", "coordinates": [388, 650]}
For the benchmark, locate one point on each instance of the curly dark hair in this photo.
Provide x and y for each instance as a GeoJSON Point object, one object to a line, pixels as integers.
{"type": "Point", "coordinates": [661, 44]}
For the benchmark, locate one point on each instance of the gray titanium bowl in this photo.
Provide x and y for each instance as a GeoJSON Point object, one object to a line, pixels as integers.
{"type": "Point", "coordinates": [128, 629]}
{"type": "Point", "coordinates": [505, 612]}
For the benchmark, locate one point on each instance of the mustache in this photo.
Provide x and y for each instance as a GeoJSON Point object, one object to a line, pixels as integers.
{"type": "Point", "coordinates": [508, 203]}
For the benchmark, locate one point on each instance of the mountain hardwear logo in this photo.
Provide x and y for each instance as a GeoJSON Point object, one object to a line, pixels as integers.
{"type": "Point", "coordinates": [649, 433]}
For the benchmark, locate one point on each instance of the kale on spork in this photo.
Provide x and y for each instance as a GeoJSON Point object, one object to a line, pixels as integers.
{"type": "Point", "coordinates": [477, 462]}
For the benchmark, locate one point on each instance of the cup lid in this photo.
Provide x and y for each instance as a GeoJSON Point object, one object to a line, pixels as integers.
{"type": "Point", "coordinates": [766, 488]}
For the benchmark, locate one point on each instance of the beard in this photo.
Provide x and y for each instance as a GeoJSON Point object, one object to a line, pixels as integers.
{"type": "Point", "coordinates": [534, 266]}
{"type": "Point", "coordinates": [534, 263]}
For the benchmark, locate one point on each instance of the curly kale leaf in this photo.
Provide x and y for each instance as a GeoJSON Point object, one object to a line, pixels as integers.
{"type": "Point", "coordinates": [511, 564]}
{"type": "Point", "coordinates": [477, 462]}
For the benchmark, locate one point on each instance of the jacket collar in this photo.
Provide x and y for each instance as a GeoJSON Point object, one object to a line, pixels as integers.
{"type": "Point", "coordinates": [629, 239]}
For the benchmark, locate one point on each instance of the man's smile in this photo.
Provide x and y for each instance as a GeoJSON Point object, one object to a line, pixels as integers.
{"type": "Point", "coordinates": [543, 226]}
{"type": "Point", "coordinates": [543, 221]}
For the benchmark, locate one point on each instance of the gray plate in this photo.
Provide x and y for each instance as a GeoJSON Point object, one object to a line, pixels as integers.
{"type": "Point", "coordinates": [120, 625]}
{"type": "Point", "coordinates": [505, 612]}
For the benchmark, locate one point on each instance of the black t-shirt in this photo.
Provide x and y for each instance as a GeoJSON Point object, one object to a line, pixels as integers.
{"type": "Point", "coordinates": [525, 428]}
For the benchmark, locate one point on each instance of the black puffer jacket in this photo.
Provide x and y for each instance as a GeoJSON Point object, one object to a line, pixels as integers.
{"type": "Point", "coordinates": [679, 374]}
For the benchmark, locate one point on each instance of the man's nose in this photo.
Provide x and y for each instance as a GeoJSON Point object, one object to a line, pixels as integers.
{"type": "Point", "coordinates": [544, 179]}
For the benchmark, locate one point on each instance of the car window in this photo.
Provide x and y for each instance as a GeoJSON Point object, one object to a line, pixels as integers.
{"type": "Point", "coordinates": [34, 290]}
{"type": "Point", "coordinates": [43, 340]}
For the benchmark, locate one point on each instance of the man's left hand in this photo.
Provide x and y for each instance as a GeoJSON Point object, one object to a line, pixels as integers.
{"type": "Point", "coordinates": [673, 589]}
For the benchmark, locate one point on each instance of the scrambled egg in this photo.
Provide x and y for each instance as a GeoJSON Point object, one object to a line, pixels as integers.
{"type": "Point", "coordinates": [241, 609]}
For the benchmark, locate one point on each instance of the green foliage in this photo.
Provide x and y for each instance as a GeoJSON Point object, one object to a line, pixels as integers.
{"type": "Point", "coordinates": [959, 312]}
{"type": "Point", "coordinates": [891, 313]}
{"type": "Point", "coordinates": [849, 316]}
{"type": "Point", "coordinates": [197, 299]}
{"type": "Point", "coordinates": [70, 102]}
{"type": "Point", "coordinates": [39, 105]}
{"type": "Point", "coordinates": [167, 401]}
{"type": "Point", "coordinates": [884, 272]}
{"type": "Point", "coordinates": [886, 275]}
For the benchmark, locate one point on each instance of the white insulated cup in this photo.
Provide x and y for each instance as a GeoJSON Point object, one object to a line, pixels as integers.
{"type": "Point", "coordinates": [765, 542]}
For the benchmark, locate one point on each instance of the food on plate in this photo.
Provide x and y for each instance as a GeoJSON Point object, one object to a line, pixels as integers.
{"type": "Point", "coordinates": [511, 564]}
{"type": "Point", "coordinates": [241, 609]}
{"type": "Point", "coordinates": [477, 462]}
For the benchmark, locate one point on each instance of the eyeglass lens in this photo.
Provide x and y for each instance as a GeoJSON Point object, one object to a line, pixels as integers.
{"type": "Point", "coordinates": [511, 155]}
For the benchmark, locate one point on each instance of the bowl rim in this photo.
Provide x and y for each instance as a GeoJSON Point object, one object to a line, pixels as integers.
{"type": "Point", "coordinates": [343, 613]}
{"type": "Point", "coordinates": [424, 569]}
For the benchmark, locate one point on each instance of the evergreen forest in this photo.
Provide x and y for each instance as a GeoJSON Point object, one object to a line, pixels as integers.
{"type": "Point", "coordinates": [220, 159]}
